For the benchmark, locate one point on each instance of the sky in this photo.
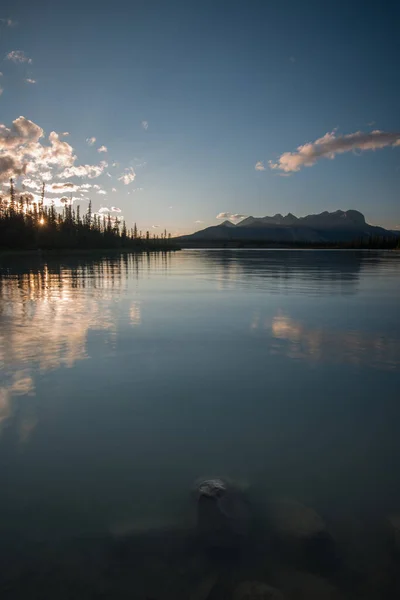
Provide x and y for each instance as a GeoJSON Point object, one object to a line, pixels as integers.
{"type": "Point", "coordinates": [174, 113]}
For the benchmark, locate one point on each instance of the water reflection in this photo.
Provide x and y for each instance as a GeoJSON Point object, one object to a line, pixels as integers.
{"type": "Point", "coordinates": [296, 340]}
{"type": "Point", "coordinates": [124, 379]}
{"type": "Point", "coordinates": [47, 311]}
{"type": "Point", "coordinates": [312, 272]}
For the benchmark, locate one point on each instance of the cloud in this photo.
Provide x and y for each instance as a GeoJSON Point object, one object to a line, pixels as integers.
{"type": "Point", "coordinates": [22, 151]}
{"type": "Point", "coordinates": [103, 210]}
{"type": "Point", "coordinates": [1, 90]}
{"type": "Point", "coordinates": [114, 190]}
{"type": "Point", "coordinates": [329, 145]}
{"type": "Point", "coordinates": [29, 80]}
{"type": "Point", "coordinates": [199, 221]}
{"type": "Point", "coordinates": [128, 176]}
{"type": "Point", "coordinates": [108, 174]}
{"type": "Point", "coordinates": [115, 209]}
{"type": "Point", "coordinates": [31, 183]}
{"type": "Point", "coordinates": [259, 166]}
{"type": "Point", "coordinates": [18, 56]}
{"type": "Point", "coordinates": [90, 171]}
{"type": "Point", "coordinates": [9, 167]}
{"type": "Point", "coordinates": [145, 125]}
{"type": "Point", "coordinates": [90, 141]}
{"type": "Point", "coordinates": [101, 192]}
{"type": "Point", "coordinates": [102, 149]}
{"type": "Point", "coordinates": [86, 186]}
{"type": "Point", "coordinates": [67, 186]}
{"type": "Point", "coordinates": [9, 22]}
{"type": "Point", "coordinates": [1, 74]}
{"type": "Point", "coordinates": [155, 226]}
{"type": "Point", "coordinates": [230, 216]}
{"type": "Point", "coordinates": [65, 133]}
{"type": "Point", "coordinates": [138, 189]}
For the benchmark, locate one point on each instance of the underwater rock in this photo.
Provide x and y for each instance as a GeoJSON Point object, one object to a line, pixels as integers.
{"type": "Point", "coordinates": [394, 526]}
{"type": "Point", "coordinates": [223, 513]}
{"type": "Point", "coordinates": [300, 585]}
{"type": "Point", "coordinates": [256, 590]}
{"type": "Point", "coordinates": [301, 533]}
{"type": "Point", "coordinates": [291, 518]}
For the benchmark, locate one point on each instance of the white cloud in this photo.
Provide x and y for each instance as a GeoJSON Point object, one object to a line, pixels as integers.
{"type": "Point", "coordinates": [90, 141]}
{"type": "Point", "coordinates": [90, 171]}
{"type": "Point", "coordinates": [86, 186]}
{"type": "Point", "coordinates": [1, 90]}
{"type": "Point", "coordinates": [108, 174]}
{"type": "Point", "coordinates": [259, 166]}
{"type": "Point", "coordinates": [128, 176]}
{"type": "Point", "coordinates": [114, 190]}
{"type": "Point", "coordinates": [102, 192]}
{"type": "Point", "coordinates": [31, 183]}
{"type": "Point", "coordinates": [155, 226]}
{"type": "Point", "coordinates": [145, 125]}
{"type": "Point", "coordinates": [103, 210]}
{"type": "Point", "coordinates": [102, 149]}
{"type": "Point", "coordinates": [198, 221]}
{"type": "Point", "coordinates": [29, 80]}
{"type": "Point", "coordinates": [329, 145]}
{"type": "Point", "coordinates": [138, 189]}
{"type": "Point", "coordinates": [22, 152]}
{"type": "Point", "coordinates": [18, 56]}
{"type": "Point", "coordinates": [96, 186]}
{"type": "Point", "coordinates": [115, 209]}
{"type": "Point", "coordinates": [230, 216]}
{"type": "Point", "coordinates": [65, 133]}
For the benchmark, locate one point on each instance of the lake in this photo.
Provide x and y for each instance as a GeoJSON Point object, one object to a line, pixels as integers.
{"type": "Point", "coordinates": [125, 379]}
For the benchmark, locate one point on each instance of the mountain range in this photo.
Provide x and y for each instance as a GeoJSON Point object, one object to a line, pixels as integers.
{"type": "Point", "coordinates": [326, 227]}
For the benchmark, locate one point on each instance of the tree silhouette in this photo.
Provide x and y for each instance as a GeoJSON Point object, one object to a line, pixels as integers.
{"type": "Point", "coordinates": [29, 224]}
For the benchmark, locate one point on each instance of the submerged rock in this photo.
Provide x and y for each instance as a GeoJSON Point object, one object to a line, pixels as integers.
{"type": "Point", "coordinates": [301, 585]}
{"type": "Point", "coordinates": [204, 587]}
{"type": "Point", "coordinates": [256, 590]}
{"type": "Point", "coordinates": [291, 518]}
{"type": "Point", "coordinates": [394, 526]}
{"type": "Point", "coordinates": [223, 513]}
{"type": "Point", "coordinates": [301, 533]}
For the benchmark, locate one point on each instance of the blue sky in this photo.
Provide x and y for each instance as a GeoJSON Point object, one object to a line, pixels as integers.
{"type": "Point", "coordinates": [190, 96]}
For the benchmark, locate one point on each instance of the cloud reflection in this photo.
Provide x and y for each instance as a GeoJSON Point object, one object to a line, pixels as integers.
{"type": "Point", "coordinates": [296, 340]}
{"type": "Point", "coordinates": [47, 314]}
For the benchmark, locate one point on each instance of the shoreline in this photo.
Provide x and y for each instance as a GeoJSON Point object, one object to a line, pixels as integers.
{"type": "Point", "coordinates": [85, 251]}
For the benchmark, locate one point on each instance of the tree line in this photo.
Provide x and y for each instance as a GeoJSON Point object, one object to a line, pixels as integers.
{"type": "Point", "coordinates": [27, 224]}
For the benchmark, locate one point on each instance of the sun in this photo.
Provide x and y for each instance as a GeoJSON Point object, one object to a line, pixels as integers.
{"type": "Point", "coordinates": [41, 221]}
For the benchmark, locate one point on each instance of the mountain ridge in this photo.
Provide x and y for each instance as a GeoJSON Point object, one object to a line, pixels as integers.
{"type": "Point", "coordinates": [324, 227]}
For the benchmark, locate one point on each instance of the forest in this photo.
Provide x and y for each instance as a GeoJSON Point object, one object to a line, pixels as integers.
{"type": "Point", "coordinates": [26, 224]}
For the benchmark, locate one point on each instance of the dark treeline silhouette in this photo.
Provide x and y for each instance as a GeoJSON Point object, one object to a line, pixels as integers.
{"type": "Point", "coordinates": [30, 225]}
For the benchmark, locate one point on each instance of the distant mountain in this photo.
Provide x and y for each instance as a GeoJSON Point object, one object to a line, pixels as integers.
{"type": "Point", "coordinates": [326, 227]}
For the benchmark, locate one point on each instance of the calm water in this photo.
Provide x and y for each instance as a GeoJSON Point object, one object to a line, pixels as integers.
{"type": "Point", "coordinates": [123, 380]}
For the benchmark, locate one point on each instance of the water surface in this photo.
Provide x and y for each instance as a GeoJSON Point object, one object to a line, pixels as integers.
{"type": "Point", "coordinates": [124, 379]}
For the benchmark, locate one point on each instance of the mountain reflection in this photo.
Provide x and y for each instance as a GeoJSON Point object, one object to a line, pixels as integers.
{"type": "Point", "coordinates": [299, 341]}
{"type": "Point", "coordinates": [334, 271]}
